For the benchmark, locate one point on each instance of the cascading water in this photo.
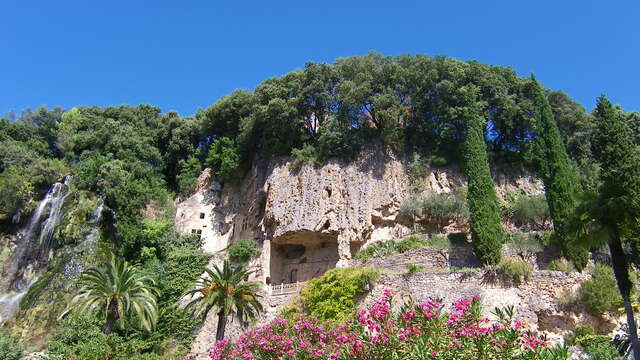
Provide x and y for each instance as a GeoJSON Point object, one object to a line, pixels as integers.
{"type": "Point", "coordinates": [31, 252]}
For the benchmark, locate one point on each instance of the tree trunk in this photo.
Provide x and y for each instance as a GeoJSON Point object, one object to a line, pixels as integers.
{"type": "Point", "coordinates": [633, 333]}
{"type": "Point", "coordinates": [621, 271]}
{"type": "Point", "coordinates": [112, 318]}
{"type": "Point", "coordinates": [222, 324]}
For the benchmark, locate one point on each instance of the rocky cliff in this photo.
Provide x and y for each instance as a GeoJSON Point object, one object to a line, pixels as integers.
{"type": "Point", "coordinates": [316, 218]}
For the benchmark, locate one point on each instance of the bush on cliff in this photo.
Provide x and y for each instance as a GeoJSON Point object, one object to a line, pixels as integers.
{"type": "Point", "coordinates": [600, 294]}
{"type": "Point", "coordinates": [243, 250]}
{"type": "Point", "coordinates": [333, 295]}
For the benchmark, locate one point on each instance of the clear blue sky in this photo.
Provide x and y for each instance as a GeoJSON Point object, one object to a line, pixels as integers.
{"type": "Point", "coordinates": [182, 55]}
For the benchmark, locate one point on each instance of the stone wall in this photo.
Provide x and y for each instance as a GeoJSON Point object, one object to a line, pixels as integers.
{"type": "Point", "coordinates": [538, 302]}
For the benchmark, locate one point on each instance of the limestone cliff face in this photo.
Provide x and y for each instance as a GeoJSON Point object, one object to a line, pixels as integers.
{"type": "Point", "coordinates": [313, 219]}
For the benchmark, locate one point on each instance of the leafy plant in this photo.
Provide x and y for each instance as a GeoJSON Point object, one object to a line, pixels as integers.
{"type": "Point", "coordinates": [515, 271]}
{"type": "Point", "coordinates": [333, 295]}
{"type": "Point", "coordinates": [524, 242]}
{"type": "Point", "coordinates": [224, 158]}
{"type": "Point", "coordinates": [562, 264]}
{"type": "Point", "coordinates": [600, 294]}
{"type": "Point", "coordinates": [579, 332]}
{"type": "Point", "coordinates": [243, 250]}
{"type": "Point", "coordinates": [530, 211]}
{"type": "Point", "coordinates": [598, 347]}
{"type": "Point", "coordinates": [9, 349]}
{"type": "Point", "coordinates": [307, 155]}
{"type": "Point", "coordinates": [117, 291]}
{"type": "Point", "coordinates": [413, 268]}
{"type": "Point", "coordinates": [226, 291]}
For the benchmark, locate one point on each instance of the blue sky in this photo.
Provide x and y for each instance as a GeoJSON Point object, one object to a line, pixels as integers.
{"type": "Point", "coordinates": [183, 55]}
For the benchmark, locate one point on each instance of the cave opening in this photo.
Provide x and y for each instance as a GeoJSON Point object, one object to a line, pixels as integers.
{"type": "Point", "coordinates": [302, 256]}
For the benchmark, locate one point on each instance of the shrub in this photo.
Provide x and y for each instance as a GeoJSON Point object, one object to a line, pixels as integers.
{"type": "Point", "coordinates": [444, 207]}
{"type": "Point", "coordinates": [410, 208]}
{"type": "Point", "coordinates": [417, 170]}
{"type": "Point", "coordinates": [243, 250]}
{"type": "Point", "coordinates": [598, 347]}
{"type": "Point", "coordinates": [562, 264]}
{"type": "Point", "coordinates": [376, 250]}
{"type": "Point", "coordinates": [333, 295]}
{"type": "Point", "coordinates": [390, 247]}
{"type": "Point", "coordinates": [579, 332]}
{"type": "Point", "coordinates": [528, 210]}
{"type": "Point", "coordinates": [600, 294]}
{"type": "Point", "coordinates": [438, 161]}
{"type": "Point", "coordinates": [301, 157]}
{"type": "Point", "coordinates": [409, 243]}
{"type": "Point", "coordinates": [412, 331]}
{"type": "Point", "coordinates": [413, 268]}
{"type": "Point", "coordinates": [515, 271]}
{"type": "Point", "coordinates": [9, 349]}
{"type": "Point", "coordinates": [524, 243]}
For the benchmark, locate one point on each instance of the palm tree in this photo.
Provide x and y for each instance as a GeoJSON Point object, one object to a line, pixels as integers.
{"type": "Point", "coordinates": [117, 290]}
{"type": "Point", "coordinates": [226, 291]}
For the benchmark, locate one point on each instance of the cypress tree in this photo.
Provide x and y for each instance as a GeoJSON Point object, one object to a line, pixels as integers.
{"type": "Point", "coordinates": [558, 175]}
{"type": "Point", "coordinates": [618, 205]}
{"type": "Point", "coordinates": [484, 218]}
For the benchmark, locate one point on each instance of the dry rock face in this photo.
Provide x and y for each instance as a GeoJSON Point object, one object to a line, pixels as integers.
{"type": "Point", "coordinates": [310, 220]}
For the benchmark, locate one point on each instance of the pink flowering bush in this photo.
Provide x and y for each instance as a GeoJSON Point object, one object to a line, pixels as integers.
{"type": "Point", "coordinates": [415, 332]}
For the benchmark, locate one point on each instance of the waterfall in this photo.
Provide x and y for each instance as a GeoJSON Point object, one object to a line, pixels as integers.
{"type": "Point", "coordinates": [95, 224]}
{"type": "Point", "coordinates": [31, 252]}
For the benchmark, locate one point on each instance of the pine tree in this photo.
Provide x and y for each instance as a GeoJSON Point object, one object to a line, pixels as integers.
{"type": "Point", "coordinates": [486, 229]}
{"type": "Point", "coordinates": [558, 175]}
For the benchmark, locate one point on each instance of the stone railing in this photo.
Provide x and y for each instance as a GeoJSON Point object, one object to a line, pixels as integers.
{"type": "Point", "coordinates": [283, 289]}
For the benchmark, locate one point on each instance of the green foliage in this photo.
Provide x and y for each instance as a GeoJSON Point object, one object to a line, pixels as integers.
{"type": "Point", "coordinates": [224, 158]}
{"type": "Point", "coordinates": [307, 155]}
{"type": "Point", "coordinates": [390, 247]}
{"type": "Point", "coordinates": [524, 242]}
{"type": "Point", "coordinates": [9, 349]}
{"type": "Point", "coordinates": [226, 291]}
{"type": "Point", "coordinates": [410, 208]}
{"type": "Point", "coordinates": [578, 332]}
{"type": "Point", "coordinates": [409, 243]}
{"type": "Point", "coordinates": [417, 170]}
{"type": "Point", "coordinates": [563, 265]}
{"type": "Point", "coordinates": [530, 211]}
{"type": "Point", "coordinates": [514, 271]}
{"type": "Point", "coordinates": [333, 295]}
{"type": "Point", "coordinates": [444, 207]}
{"type": "Point", "coordinates": [243, 250]}
{"type": "Point", "coordinates": [117, 291]}
{"type": "Point", "coordinates": [484, 221]}
{"type": "Point", "coordinates": [559, 177]}
{"type": "Point", "coordinates": [600, 294]}
{"type": "Point", "coordinates": [414, 269]}
{"type": "Point", "coordinates": [598, 347]}
{"type": "Point", "coordinates": [376, 250]}
{"type": "Point", "coordinates": [81, 337]}
{"type": "Point", "coordinates": [187, 178]}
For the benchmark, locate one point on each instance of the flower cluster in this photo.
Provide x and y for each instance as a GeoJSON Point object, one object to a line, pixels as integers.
{"type": "Point", "coordinates": [414, 331]}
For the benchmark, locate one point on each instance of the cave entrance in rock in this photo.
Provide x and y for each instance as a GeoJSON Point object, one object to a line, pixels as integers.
{"type": "Point", "coordinates": [302, 256]}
